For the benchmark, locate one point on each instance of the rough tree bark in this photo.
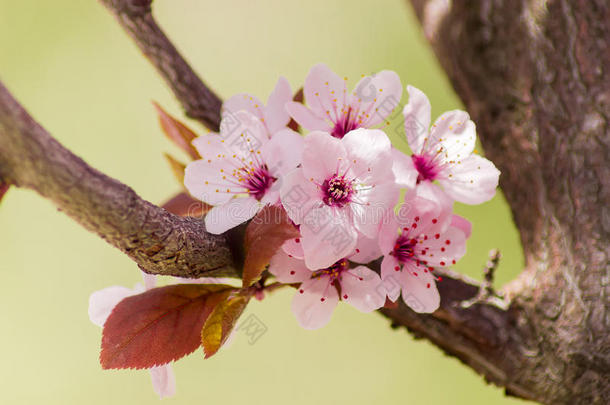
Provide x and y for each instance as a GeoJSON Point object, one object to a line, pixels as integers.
{"type": "Point", "coordinates": [533, 76]}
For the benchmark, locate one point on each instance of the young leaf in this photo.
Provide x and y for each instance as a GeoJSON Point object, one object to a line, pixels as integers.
{"type": "Point", "coordinates": [265, 234]}
{"type": "Point", "coordinates": [158, 326]}
{"type": "Point", "coordinates": [298, 97]}
{"type": "Point", "coordinates": [219, 325]}
{"type": "Point", "coordinates": [3, 188]}
{"type": "Point", "coordinates": [177, 132]}
{"type": "Point", "coordinates": [186, 206]}
{"type": "Point", "coordinates": [177, 168]}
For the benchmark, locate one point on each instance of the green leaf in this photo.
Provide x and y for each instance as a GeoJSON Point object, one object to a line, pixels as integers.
{"type": "Point", "coordinates": [219, 325]}
{"type": "Point", "coordinates": [265, 234]}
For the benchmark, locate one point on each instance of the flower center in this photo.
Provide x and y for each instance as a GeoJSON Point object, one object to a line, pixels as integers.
{"type": "Point", "coordinates": [345, 124]}
{"type": "Point", "coordinates": [404, 249]}
{"type": "Point", "coordinates": [425, 167]}
{"type": "Point", "coordinates": [334, 271]}
{"type": "Point", "coordinates": [337, 191]}
{"type": "Point", "coordinates": [256, 180]}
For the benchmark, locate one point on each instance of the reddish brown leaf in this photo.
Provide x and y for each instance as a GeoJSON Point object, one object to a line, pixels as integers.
{"type": "Point", "coordinates": [265, 234]}
{"type": "Point", "coordinates": [298, 97]}
{"type": "Point", "coordinates": [158, 326]}
{"type": "Point", "coordinates": [186, 206]}
{"type": "Point", "coordinates": [219, 325]}
{"type": "Point", "coordinates": [177, 132]}
{"type": "Point", "coordinates": [177, 168]}
{"type": "Point", "coordinates": [3, 188]}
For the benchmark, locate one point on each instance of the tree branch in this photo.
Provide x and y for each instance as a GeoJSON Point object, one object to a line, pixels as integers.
{"type": "Point", "coordinates": [198, 101]}
{"type": "Point", "coordinates": [159, 242]}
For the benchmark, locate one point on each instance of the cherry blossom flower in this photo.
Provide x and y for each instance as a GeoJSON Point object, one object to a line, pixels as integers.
{"type": "Point", "coordinates": [424, 235]}
{"type": "Point", "coordinates": [445, 152]}
{"type": "Point", "coordinates": [273, 116]}
{"type": "Point", "coordinates": [239, 171]}
{"type": "Point", "coordinates": [332, 109]}
{"type": "Point", "coordinates": [321, 290]}
{"type": "Point", "coordinates": [344, 187]}
{"type": "Point", "coordinates": [101, 304]}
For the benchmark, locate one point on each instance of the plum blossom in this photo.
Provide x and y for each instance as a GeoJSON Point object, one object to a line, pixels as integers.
{"type": "Point", "coordinates": [445, 152]}
{"type": "Point", "coordinates": [321, 290]}
{"type": "Point", "coordinates": [425, 235]}
{"type": "Point", "coordinates": [273, 116]}
{"type": "Point", "coordinates": [101, 304]}
{"type": "Point", "coordinates": [332, 109]}
{"type": "Point", "coordinates": [239, 171]}
{"type": "Point", "coordinates": [344, 187]}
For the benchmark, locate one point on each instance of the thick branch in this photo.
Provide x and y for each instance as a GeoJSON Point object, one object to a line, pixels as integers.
{"type": "Point", "coordinates": [159, 242]}
{"type": "Point", "coordinates": [535, 77]}
{"type": "Point", "coordinates": [198, 101]}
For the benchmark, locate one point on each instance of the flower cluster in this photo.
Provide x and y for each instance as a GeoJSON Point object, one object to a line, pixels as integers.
{"type": "Point", "coordinates": [340, 184]}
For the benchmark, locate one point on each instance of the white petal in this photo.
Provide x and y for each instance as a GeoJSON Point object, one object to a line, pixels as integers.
{"type": "Point", "coordinates": [314, 303]}
{"type": "Point", "coordinates": [163, 380]}
{"type": "Point", "coordinates": [417, 119]}
{"type": "Point", "coordinates": [360, 287]}
{"type": "Point", "coordinates": [237, 211]}
{"type": "Point", "coordinates": [471, 181]}
{"type": "Point", "coordinates": [102, 302]}
{"type": "Point", "coordinates": [276, 116]}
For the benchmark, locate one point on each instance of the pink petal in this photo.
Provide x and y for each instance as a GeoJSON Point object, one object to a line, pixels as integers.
{"type": "Point", "coordinates": [307, 118]}
{"type": "Point", "coordinates": [388, 232]}
{"type": "Point", "coordinates": [392, 277]}
{"type": "Point", "coordinates": [417, 119]}
{"type": "Point", "coordinates": [327, 236]}
{"type": "Point", "coordinates": [371, 206]}
{"type": "Point", "coordinates": [283, 153]}
{"type": "Point", "coordinates": [416, 215]}
{"type": "Point", "coordinates": [204, 178]}
{"type": "Point", "coordinates": [375, 97]}
{"type": "Point", "coordinates": [369, 152]}
{"type": "Point", "coordinates": [419, 290]}
{"type": "Point", "coordinates": [325, 92]}
{"type": "Point", "coordinates": [451, 128]}
{"type": "Point", "coordinates": [314, 302]}
{"type": "Point", "coordinates": [322, 155]}
{"type": "Point", "coordinates": [276, 116]}
{"type": "Point", "coordinates": [473, 180]}
{"type": "Point", "coordinates": [459, 140]}
{"type": "Point", "coordinates": [163, 380]}
{"type": "Point", "coordinates": [361, 288]}
{"type": "Point", "coordinates": [431, 192]}
{"type": "Point", "coordinates": [102, 302]}
{"type": "Point", "coordinates": [288, 269]}
{"type": "Point", "coordinates": [237, 211]}
{"type": "Point", "coordinates": [462, 224]}
{"type": "Point", "coordinates": [367, 250]}
{"type": "Point", "coordinates": [150, 280]}
{"type": "Point", "coordinates": [243, 102]}
{"type": "Point", "coordinates": [293, 247]}
{"type": "Point", "coordinates": [298, 195]}
{"type": "Point", "coordinates": [442, 249]}
{"type": "Point", "coordinates": [403, 169]}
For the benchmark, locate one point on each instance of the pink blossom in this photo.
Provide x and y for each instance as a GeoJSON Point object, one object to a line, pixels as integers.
{"type": "Point", "coordinates": [321, 290]}
{"type": "Point", "coordinates": [423, 236]}
{"type": "Point", "coordinates": [101, 304]}
{"type": "Point", "coordinates": [273, 116]}
{"type": "Point", "coordinates": [239, 170]}
{"type": "Point", "coordinates": [332, 109]}
{"type": "Point", "coordinates": [344, 187]}
{"type": "Point", "coordinates": [445, 152]}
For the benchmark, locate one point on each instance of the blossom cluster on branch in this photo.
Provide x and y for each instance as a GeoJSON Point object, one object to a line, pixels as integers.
{"type": "Point", "coordinates": [338, 213]}
{"type": "Point", "coordinates": [340, 186]}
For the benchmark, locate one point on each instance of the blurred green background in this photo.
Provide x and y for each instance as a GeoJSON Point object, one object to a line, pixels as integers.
{"type": "Point", "coordinates": [75, 70]}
